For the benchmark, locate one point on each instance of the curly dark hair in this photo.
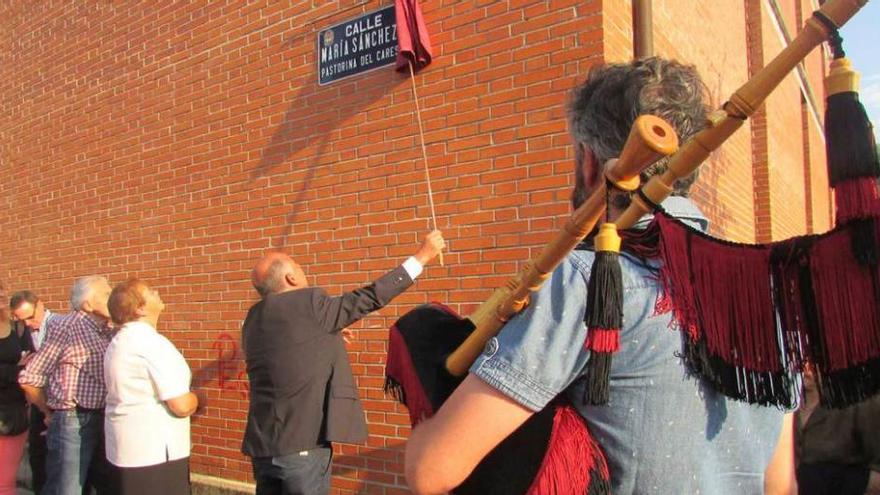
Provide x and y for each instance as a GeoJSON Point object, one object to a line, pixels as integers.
{"type": "Point", "coordinates": [603, 108]}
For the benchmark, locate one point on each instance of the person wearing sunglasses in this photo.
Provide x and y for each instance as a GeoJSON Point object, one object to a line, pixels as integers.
{"type": "Point", "coordinates": [29, 310]}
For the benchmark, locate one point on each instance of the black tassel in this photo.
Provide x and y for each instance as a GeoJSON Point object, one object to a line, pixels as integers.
{"type": "Point", "coordinates": [849, 139]}
{"type": "Point", "coordinates": [850, 148]}
{"type": "Point", "coordinates": [849, 135]}
{"type": "Point", "coordinates": [863, 238]}
{"type": "Point", "coordinates": [604, 314]}
{"type": "Point", "coordinates": [597, 391]}
{"type": "Point", "coordinates": [605, 292]}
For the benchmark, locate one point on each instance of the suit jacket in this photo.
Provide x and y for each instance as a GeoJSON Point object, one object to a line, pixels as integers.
{"type": "Point", "coordinates": [302, 392]}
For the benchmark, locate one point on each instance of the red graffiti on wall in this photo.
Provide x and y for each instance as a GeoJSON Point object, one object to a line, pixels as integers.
{"type": "Point", "coordinates": [229, 375]}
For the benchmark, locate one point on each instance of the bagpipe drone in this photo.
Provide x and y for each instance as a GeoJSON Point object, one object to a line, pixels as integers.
{"type": "Point", "coordinates": [750, 315]}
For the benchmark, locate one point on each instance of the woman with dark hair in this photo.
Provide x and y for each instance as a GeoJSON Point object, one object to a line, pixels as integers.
{"type": "Point", "coordinates": [15, 345]}
{"type": "Point", "coordinates": [146, 421]}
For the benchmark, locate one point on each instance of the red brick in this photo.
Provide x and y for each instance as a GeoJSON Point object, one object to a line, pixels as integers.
{"type": "Point", "coordinates": [180, 143]}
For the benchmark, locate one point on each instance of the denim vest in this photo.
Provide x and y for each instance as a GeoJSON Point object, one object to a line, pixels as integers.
{"type": "Point", "coordinates": [663, 431]}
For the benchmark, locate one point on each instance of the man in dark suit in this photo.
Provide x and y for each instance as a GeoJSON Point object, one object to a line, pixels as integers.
{"type": "Point", "coordinates": [302, 392]}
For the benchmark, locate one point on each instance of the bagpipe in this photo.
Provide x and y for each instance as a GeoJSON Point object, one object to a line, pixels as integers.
{"type": "Point", "coordinates": [750, 315]}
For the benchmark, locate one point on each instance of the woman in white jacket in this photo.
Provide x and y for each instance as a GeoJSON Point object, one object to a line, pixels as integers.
{"type": "Point", "coordinates": [149, 402]}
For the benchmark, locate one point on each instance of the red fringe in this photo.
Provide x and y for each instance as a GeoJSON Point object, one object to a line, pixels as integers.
{"type": "Point", "coordinates": [846, 300]}
{"type": "Point", "coordinates": [723, 290]}
{"type": "Point", "coordinates": [399, 367]}
{"type": "Point", "coordinates": [753, 314]}
{"type": "Point", "coordinates": [857, 198]}
{"type": "Point", "coordinates": [574, 463]}
{"type": "Point", "coordinates": [603, 339]}
{"type": "Point", "coordinates": [663, 304]}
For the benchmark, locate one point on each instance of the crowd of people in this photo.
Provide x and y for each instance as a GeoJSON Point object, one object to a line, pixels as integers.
{"type": "Point", "coordinates": [116, 395]}
{"type": "Point", "coordinates": [109, 396]}
{"type": "Point", "coordinates": [110, 399]}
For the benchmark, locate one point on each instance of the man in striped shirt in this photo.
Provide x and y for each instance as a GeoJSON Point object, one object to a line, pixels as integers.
{"type": "Point", "coordinates": [65, 380]}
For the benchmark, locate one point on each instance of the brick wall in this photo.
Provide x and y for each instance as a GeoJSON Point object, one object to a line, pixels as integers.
{"type": "Point", "coordinates": [819, 201]}
{"type": "Point", "coordinates": [784, 153]}
{"type": "Point", "coordinates": [712, 36]}
{"type": "Point", "coordinates": [617, 30]}
{"type": "Point", "coordinates": [177, 142]}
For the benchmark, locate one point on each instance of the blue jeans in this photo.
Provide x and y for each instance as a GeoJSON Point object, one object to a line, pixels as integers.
{"type": "Point", "coordinates": [76, 458]}
{"type": "Point", "coordinates": [301, 473]}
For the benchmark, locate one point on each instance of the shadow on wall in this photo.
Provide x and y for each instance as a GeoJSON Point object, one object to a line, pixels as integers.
{"type": "Point", "coordinates": [311, 119]}
{"type": "Point", "coordinates": [370, 471]}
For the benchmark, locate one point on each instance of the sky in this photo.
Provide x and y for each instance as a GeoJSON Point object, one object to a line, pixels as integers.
{"type": "Point", "coordinates": [861, 41]}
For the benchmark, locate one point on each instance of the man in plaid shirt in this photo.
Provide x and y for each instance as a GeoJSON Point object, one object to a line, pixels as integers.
{"type": "Point", "coordinates": [65, 380]}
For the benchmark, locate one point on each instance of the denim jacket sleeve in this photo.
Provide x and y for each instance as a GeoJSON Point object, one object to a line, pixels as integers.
{"type": "Point", "coordinates": [541, 350]}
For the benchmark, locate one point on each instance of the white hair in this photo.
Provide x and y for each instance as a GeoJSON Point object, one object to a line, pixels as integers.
{"type": "Point", "coordinates": [273, 280]}
{"type": "Point", "coordinates": [82, 290]}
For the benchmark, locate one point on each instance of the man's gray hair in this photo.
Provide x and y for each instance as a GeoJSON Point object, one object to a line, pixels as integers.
{"type": "Point", "coordinates": [82, 290]}
{"type": "Point", "coordinates": [603, 108]}
{"type": "Point", "coordinates": [273, 281]}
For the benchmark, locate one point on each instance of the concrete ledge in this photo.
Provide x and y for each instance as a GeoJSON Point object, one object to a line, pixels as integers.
{"type": "Point", "coordinates": [209, 485]}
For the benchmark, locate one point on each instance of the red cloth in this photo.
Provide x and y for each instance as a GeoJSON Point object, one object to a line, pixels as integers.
{"type": "Point", "coordinates": [413, 43]}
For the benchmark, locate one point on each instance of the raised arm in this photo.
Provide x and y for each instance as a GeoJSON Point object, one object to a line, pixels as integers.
{"type": "Point", "coordinates": [336, 313]}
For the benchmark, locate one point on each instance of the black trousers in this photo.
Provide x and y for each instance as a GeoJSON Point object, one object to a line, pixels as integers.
{"type": "Point", "coordinates": [168, 478]}
{"type": "Point", "coordinates": [301, 473]}
{"type": "Point", "coordinates": [37, 449]}
{"type": "Point", "coordinates": [825, 478]}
